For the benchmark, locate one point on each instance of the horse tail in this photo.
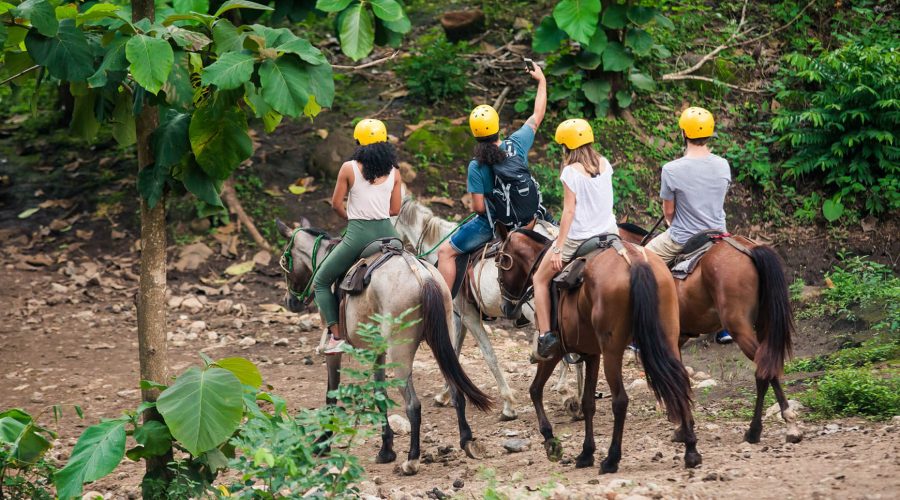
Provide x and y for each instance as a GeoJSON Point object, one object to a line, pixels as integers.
{"type": "Point", "coordinates": [666, 375]}
{"type": "Point", "coordinates": [437, 335]}
{"type": "Point", "coordinates": [774, 318]}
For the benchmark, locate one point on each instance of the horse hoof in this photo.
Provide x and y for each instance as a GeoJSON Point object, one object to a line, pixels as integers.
{"type": "Point", "coordinates": [410, 467]}
{"type": "Point", "coordinates": [584, 461]}
{"type": "Point", "coordinates": [692, 460]}
{"type": "Point", "coordinates": [608, 467]}
{"type": "Point", "coordinates": [474, 450]}
{"type": "Point", "coordinates": [442, 399]}
{"type": "Point", "coordinates": [752, 436]}
{"type": "Point", "coordinates": [508, 415]}
{"type": "Point", "coordinates": [553, 447]}
{"type": "Point", "coordinates": [385, 457]}
{"type": "Point", "coordinates": [573, 408]}
{"type": "Point", "coordinates": [793, 436]}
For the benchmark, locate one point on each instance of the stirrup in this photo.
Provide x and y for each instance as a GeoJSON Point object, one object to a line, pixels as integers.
{"type": "Point", "coordinates": [573, 358]}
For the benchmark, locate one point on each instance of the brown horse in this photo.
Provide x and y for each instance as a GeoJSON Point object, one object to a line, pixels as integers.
{"type": "Point", "coordinates": [621, 297]}
{"type": "Point", "coordinates": [748, 296]}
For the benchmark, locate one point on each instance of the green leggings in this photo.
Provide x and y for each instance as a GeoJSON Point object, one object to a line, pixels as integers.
{"type": "Point", "coordinates": [359, 234]}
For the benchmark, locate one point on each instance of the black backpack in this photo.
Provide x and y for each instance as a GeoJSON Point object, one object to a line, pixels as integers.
{"type": "Point", "coordinates": [516, 198]}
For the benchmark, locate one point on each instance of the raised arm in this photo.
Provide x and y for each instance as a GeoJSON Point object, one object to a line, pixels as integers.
{"type": "Point", "coordinates": [540, 99]}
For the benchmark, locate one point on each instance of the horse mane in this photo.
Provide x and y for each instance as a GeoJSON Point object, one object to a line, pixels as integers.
{"type": "Point", "coordinates": [413, 214]}
{"type": "Point", "coordinates": [536, 236]}
{"type": "Point", "coordinates": [633, 228]}
{"type": "Point", "coordinates": [314, 231]}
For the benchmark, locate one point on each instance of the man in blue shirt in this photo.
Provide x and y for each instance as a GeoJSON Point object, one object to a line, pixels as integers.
{"type": "Point", "coordinates": [485, 124]}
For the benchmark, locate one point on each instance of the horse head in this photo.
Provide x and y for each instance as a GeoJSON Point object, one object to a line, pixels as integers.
{"type": "Point", "coordinates": [517, 260]}
{"type": "Point", "coordinates": [296, 262]}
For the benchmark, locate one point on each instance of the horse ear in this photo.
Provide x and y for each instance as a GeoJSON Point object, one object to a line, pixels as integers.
{"type": "Point", "coordinates": [304, 223]}
{"type": "Point", "coordinates": [502, 231]}
{"type": "Point", "coordinates": [283, 228]}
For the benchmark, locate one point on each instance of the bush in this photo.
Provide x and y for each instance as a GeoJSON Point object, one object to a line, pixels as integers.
{"type": "Point", "coordinates": [872, 351]}
{"type": "Point", "coordinates": [841, 111]}
{"type": "Point", "coordinates": [859, 281]}
{"type": "Point", "coordinates": [856, 392]}
{"type": "Point", "coordinates": [436, 72]}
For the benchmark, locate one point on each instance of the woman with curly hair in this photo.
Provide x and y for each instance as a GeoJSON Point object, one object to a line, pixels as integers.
{"type": "Point", "coordinates": [371, 185]}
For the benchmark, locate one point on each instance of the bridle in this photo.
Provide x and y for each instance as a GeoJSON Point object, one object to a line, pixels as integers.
{"type": "Point", "coordinates": [286, 262]}
{"type": "Point", "coordinates": [505, 263]}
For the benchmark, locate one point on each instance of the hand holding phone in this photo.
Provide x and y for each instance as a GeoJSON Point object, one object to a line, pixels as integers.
{"type": "Point", "coordinates": [529, 64]}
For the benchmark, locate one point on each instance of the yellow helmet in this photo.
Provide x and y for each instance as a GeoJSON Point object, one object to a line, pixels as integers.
{"type": "Point", "coordinates": [370, 131]}
{"type": "Point", "coordinates": [697, 123]}
{"type": "Point", "coordinates": [484, 121]}
{"type": "Point", "coordinates": [574, 133]}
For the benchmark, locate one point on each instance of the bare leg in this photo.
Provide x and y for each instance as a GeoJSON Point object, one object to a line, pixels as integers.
{"type": "Point", "coordinates": [542, 278]}
{"type": "Point", "coordinates": [447, 263]}
{"type": "Point", "coordinates": [552, 445]}
{"type": "Point", "coordinates": [386, 454]}
{"type": "Point", "coordinates": [589, 406]}
{"type": "Point", "coordinates": [612, 368]}
{"type": "Point", "coordinates": [794, 434]}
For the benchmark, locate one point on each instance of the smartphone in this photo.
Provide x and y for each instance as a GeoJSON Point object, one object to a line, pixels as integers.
{"type": "Point", "coordinates": [529, 64]}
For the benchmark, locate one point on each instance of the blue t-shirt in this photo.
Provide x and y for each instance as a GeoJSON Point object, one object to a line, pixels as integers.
{"type": "Point", "coordinates": [480, 178]}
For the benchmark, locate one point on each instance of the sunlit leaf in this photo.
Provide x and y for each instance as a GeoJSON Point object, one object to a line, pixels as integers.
{"type": "Point", "coordinates": [578, 18]}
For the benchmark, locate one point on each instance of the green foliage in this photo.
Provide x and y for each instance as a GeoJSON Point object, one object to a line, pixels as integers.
{"type": "Point", "coordinates": [840, 116]}
{"type": "Point", "coordinates": [857, 282]}
{"type": "Point", "coordinates": [436, 71]}
{"type": "Point", "coordinates": [290, 456]}
{"type": "Point", "coordinates": [362, 24]}
{"type": "Point", "coordinates": [872, 351]}
{"type": "Point", "coordinates": [547, 177]}
{"type": "Point", "coordinates": [855, 391]}
{"type": "Point", "coordinates": [752, 162]}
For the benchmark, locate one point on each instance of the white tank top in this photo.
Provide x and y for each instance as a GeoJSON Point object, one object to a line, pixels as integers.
{"type": "Point", "coordinates": [593, 202]}
{"type": "Point", "coordinates": [368, 201]}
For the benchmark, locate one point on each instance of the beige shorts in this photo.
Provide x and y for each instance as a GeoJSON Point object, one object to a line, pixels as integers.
{"type": "Point", "coordinates": [569, 247]}
{"type": "Point", "coordinates": [663, 246]}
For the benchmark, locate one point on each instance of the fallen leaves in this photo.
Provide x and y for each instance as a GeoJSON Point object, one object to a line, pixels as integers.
{"type": "Point", "coordinates": [192, 256]}
{"type": "Point", "coordinates": [24, 214]}
{"type": "Point", "coordinates": [240, 268]}
{"type": "Point", "coordinates": [302, 185]}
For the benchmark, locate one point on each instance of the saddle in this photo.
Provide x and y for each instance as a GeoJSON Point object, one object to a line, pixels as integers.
{"type": "Point", "coordinates": [696, 247]}
{"type": "Point", "coordinates": [373, 256]}
{"type": "Point", "coordinates": [465, 266]}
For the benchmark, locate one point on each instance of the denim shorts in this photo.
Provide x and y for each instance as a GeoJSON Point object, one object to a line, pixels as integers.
{"type": "Point", "coordinates": [472, 235]}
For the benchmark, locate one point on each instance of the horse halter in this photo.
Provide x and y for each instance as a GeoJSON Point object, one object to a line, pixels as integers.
{"type": "Point", "coordinates": [505, 262]}
{"type": "Point", "coordinates": [286, 262]}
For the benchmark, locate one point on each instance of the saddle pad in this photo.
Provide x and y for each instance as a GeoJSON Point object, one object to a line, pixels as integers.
{"type": "Point", "coordinates": [359, 275]}
{"type": "Point", "coordinates": [596, 242]}
{"type": "Point", "coordinates": [378, 245]}
{"type": "Point", "coordinates": [686, 263]}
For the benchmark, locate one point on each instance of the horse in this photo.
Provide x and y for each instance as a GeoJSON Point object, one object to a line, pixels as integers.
{"type": "Point", "coordinates": [400, 284]}
{"type": "Point", "coordinates": [625, 294]}
{"type": "Point", "coordinates": [420, 228]}
{"type": "Point", "coordinates": [748, 296]}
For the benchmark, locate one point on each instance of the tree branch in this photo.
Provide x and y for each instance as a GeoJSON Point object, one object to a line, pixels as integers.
{"type": "Point", "coordinates": [368, 64]}
{"type": "Point", "coordinates": [229, 196]}
{"type": "Point", "coordinates": [713, 80]}
{"type": "Point", "coordinates": [20, 73]}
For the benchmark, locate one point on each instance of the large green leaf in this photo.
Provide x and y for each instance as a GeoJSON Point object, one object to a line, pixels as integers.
{"type": "Point", "coordinates": [832, 209]}
{"type": "Point", "coordinates": [547, 36]}
{"type": "Point", "coordinates": [155, 438]}
{"type": "Point", "coordinates": [304, 50]}
{"type": "Point", "coordinates": [19, 437]}
{"type": "Point", "coordinates": [113, 60]}
{"type": "Point", "coordinates": [639, 40]}
{"type": "Point", "coordinates": [201, 185]}
{"type": "Point", "coordinates": [97, 452]}
{"type": "Point", "coordinates": [151, 183]}
{"type": "Point", "coordinates": [240, 4]}
{"type": "Point", "coordinates": [185, 6]}
{"type": "Point", "coordinates": [66, 56]}
{"type": "Point", "coordinates": [188, 39]}
{"type": "Point", "coordinates": [388, 10]}
{"type": "Point", "coordinates": [170, 140]}
{"type": "Point", "coordinates": [598, 42]}
{"type": "Point", "coordinates": [616, 58]}
{"type": "Point", "coordinates": [243, 369]}
{"type": "Point", "coordinates": [400, 26]}
{"type": "Point", "coordinates": [641, 15]}
{"type": "Point", "coordinates": [98, 11]}
{"type": "Point", "coordinates": [202, 408]}
{"type": "Point", "coordinates": [642, 81]}
{"type": "Point", "coordinates": [321, 84]}
{"type": "Point", "coordinates": [178, 88]}
{"type": "Point", "coordinates": [596, 90]}
{"type": "Point", "coordinates": [41, 14]}
{"type": "Point", "coordinates": [227, 37]}
{"type": "Point", "coordinates": [588, 60]}
{"type": "Point", "coordinates": [84, 122]}
{"type": "Point", "coordinates": [357, 32]}
{"type": "Point", "coordinates": [615, 16]}
{"type": "Point", "coordinates": [578, 18]}
{"type": "Point", "coordinates": [663, 21]}
{"type": "Point", "coordinates": [151, 61]}
{"type": "Point", "coordinates": [623, 97]}
{"type": "Point", "coordinates": [219, 139]}
{"type": "Point", "coordinates": [285, 85]}
{"type": "Point", "coordinates": [4, 34]}
{"type": "Point", "coordinates": [230, 71]}
{"type": "Point", "coordinates": [332, 5]}
{"type": "Point", "coordinates": [122, 120]}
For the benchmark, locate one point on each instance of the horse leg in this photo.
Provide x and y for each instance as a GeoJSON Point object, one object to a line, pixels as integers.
{"type": "Point", "coordinates": [443, 398]}
{"type": "Point", "coordinates": [487, 350]}
{"type": "Point", "coordinates": [745, 337]}
{"type": "Point", "coordinates": [612, 368]}
{"type": "Point", "coordinates": [386, 454]}
{"type": "Point", "coordinates": [589, 406]}
{"type": "Point", "coordinates": [333, 365]}
{"type": "Point", "coordinates": [794, 434]}
{"type": "Point", "coordinates": [570, 401]}
{"type": "Point", "coordinates": [544, 370]}
{"type": "Point", "coordinates": [753, 433]}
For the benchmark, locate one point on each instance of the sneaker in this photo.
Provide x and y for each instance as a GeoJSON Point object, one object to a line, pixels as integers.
{"type": "Point", "coordinates": [547, 345]}
{"type": "Point", "coordinates": [333, 346]}
{"type": "Point", "coordinates": [723, 337]}
{"type": "Point", "coordinates": [633, 347]}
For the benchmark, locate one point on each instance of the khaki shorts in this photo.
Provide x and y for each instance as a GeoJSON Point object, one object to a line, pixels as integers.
{"type": "Point", "coordinates": [569, 247]}
{"type": "Point", "coordinates": [663, 246]}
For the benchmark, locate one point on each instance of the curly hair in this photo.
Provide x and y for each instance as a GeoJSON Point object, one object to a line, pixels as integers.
{"type": "Point", "coordinates": [487, 152]}
{"type": "Point", "coordinates": [377, 159]}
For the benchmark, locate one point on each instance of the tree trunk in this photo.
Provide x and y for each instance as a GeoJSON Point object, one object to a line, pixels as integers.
{"type": "Point", "coordinates": [151, 299]}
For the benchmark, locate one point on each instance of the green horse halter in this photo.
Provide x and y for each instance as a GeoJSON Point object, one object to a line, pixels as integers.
{"type": "Point", "coordinates": [287, 265]}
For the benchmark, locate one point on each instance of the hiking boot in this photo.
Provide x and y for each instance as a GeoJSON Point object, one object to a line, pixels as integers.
{"type": "Point", "coordinates": [333, 346]}
{"type": "Point", "coordinates": [723, 337]}
{"type": "Point", "coordinates": [547, 345]}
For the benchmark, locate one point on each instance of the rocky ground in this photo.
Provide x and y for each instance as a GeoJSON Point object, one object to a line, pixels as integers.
{"type": "Point", "coordinates": [68, 335]}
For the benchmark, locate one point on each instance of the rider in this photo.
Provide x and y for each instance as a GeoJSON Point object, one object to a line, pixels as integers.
{"type": "Point", "coordinates": [587, 211]}
{"type": "Point", "coordinates": [693, 189]}
{"type": "Point", "coordinates": [371, 184]}
{"type": "Point", "coordinates": [485, 124]}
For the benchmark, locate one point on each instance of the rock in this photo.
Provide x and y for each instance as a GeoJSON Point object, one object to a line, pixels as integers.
{"type": "Point", "coordinates": [458, 484]}
{"type": "Point", "coordinates": [192, 304]}
{"type": "Point", "coordinates": [895, 420]}
{"type": "Point", "coordinates": [192, 257]}
{"type": "Point", "coordinates": [127, 393]}
{"type": "Point", "coordinates": [792, 404]}
{"type": "Point", "coordinates": [707, 383]}
{"type": "Point", "coordinates": [399, 424]}
{"type": "Point", "coordinates": [638, 385]}
{"type": "Point", "coordinates": [57, 288]}
{"type": "Point", "coordinates": [191, 336]}
{"type": "Point", "coordinates": [197, 327]}
{"type": "Point", "coordinates": [407, 172]}
{"type": "Point", "coordinates": [307, 360]}
{"type": "Point", "coordinates": [516, 445]}
{"type": "Point", "coordinates": [175, 301]}
{"type": "Point", "coordinates": [701, 376]}
{"type": "Point", "coordinates": [247, 342]}
{"type": "Point", "coordinates": [463, 24]}
{"type": "Point", "coordinates": [238, 323]}
{"type": "Point", "coordinates": [328, 155]}
{"type": "Point", "coordinates": [616, 484]}
{"type": "Point", "coordinates": [262, 258]}
{"type": "Point", "coordinates": [689, 370]}
{"type": "Point", "coordinates": [378, 480]}
{"type": "Point", "coordinates": [282, 342]}
{"type": "Point", "coordinates": [832, 428]}
{"type": "Point", "coordinates": [37, 397]}
{"type": "Point", "coordinates": [224, 306]}
{"type": "Point", "coordinates": [212, 336]}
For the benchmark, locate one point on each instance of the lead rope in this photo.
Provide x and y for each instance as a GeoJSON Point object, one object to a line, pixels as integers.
{"type": "Point", "coordinates": [288, 258]}
{"type": "Point", "coordinates": [445, 238]}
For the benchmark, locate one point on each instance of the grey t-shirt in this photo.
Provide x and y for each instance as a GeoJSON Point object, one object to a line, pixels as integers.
{"type": "Point", "coordinates": [698, 186]}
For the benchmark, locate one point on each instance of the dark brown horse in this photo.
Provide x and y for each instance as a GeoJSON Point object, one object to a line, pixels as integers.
{"type": "Point", "coordinates": [748, 296]}
{"type": "Point", "coordinates": [621, 297]}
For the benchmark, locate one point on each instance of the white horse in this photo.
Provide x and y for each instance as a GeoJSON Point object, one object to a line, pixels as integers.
{"type": "Point", "coordinates": [418, 226]}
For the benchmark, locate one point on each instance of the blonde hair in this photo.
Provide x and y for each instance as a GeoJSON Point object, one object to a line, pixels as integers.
{"type": "Point", "coordinates": [586, 155]}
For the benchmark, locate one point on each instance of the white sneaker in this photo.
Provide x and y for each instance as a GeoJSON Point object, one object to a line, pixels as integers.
{"type": "Point", "coordinates": [333, 346]}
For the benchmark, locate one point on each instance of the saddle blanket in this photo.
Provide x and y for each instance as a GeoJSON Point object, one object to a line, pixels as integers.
{"type": "Point", "coordinates": [686, 263]}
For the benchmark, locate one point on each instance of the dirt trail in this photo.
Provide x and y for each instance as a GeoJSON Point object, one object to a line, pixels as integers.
{"type": "Point", "coordinates": [79, 346]}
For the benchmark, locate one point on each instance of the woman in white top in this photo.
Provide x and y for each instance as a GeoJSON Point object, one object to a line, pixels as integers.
{"type": "Point", "coordinates": [587, 211]}
{"type": "Point", "coordinates": [371, 184]}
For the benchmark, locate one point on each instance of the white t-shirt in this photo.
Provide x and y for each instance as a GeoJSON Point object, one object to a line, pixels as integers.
{"type": "Point", "coordinates": [593, 202]}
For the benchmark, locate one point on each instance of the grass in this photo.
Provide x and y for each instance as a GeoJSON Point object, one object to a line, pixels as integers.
{"type": "Point", "coordinates": [855, 392]}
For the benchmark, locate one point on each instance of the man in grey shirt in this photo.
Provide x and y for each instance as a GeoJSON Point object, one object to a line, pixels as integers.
{"type": "Point", "coordinates": [693, 187]}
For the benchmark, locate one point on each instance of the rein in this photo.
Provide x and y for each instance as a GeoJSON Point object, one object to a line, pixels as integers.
{"type": "Point", "coordinates": [421, 238]}
{"type": "Point", "coordinates": [286, 262]}
{"type": "Point", "coordinates": [528, 290]}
